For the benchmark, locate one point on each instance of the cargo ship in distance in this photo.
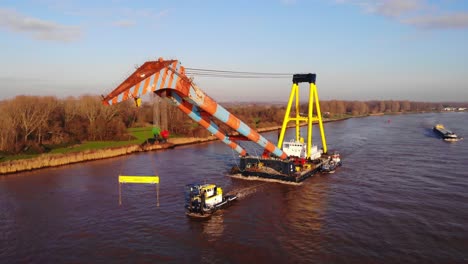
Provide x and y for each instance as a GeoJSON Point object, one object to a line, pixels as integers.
{"type": "Point", "coordinates": [446, 134]}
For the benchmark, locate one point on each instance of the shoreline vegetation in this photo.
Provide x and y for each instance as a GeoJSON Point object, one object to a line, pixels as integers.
{"type": "Point", "coordinates": [48, 160]}
{"type": "Point", "coordinates": [44, 131]}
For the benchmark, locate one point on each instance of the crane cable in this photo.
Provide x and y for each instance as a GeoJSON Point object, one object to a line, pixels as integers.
{"type": "Point", "coordinates": [234, 74]}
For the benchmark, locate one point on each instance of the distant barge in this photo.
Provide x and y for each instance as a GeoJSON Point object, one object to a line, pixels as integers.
{"type": "Point", "coordinates": [446, 134]}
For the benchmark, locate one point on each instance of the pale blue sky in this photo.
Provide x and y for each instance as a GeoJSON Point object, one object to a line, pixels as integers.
{"type": "Point", "coordinates": [360, 49]}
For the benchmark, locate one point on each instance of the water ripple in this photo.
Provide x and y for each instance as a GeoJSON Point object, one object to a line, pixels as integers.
{"type": "Point", "coordinates": [400, 197]}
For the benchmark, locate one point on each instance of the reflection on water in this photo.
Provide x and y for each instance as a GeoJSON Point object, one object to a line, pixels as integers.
{"type": "Point", "coordinates": [400, 197]}
{"type": "Point", "coordinates": [214, 227]}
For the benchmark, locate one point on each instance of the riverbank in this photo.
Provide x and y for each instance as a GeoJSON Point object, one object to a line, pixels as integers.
{"type": "Point", "coordinates": [54, 160]}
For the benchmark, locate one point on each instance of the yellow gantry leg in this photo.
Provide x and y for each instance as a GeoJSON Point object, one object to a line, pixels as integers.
{"type": "Point", "coordinates": [297, 115]}
{"type": "Point", "coordinates": [286, 115]}
{"type": "Point", "coordinates": [319, 116]}
{"type": "Point", "coordinates": [310, 120]}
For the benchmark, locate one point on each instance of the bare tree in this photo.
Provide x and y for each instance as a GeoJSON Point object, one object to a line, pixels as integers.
{"type": "Point", "coordinates": [32, 112]}
{"type": "Point", "coordinates": [107, 113]}
{"type": "Point", "coordinates": [70, 109]}
{"type": "Point", "coordinates": [90, 107]}
{"type": "Point", "coordinates": [382, 107]}
{"type": "Point", "coordinates": [405, 106]}
{"type": "Point", "coordinates": [47, 106]}
{"type": "Point", "coordinates": [395, 106]}
{"type": "Point", "coordinates": [8, 125]}
{"type": "Point", "coordinates": [101, 118]}
{"type": "Point", "coordinates": [340, 108]}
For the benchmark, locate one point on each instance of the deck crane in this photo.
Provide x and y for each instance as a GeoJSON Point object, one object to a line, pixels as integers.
{"type": "Point", "coordinates": [168, 79]}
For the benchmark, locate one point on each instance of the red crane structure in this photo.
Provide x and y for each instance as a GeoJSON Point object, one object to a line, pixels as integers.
{"type": "Point", "coordinates": [167, 79]}
{"type": "Point", "coordinates": [289, 161]}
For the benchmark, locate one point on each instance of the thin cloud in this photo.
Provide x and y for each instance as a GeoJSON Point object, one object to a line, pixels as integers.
{"type": "Point", "coordinates": [124, 23]}
{"type": "Point", "coordinates": [117, 15]}
{"type": "Point", "coordinates": [146, 14]}
{"type": "Point", "coordinates": [448, 21]}
{"type": "Point", "coordinates": [388, 8]}
{"type": "Point", "coordinates": [162, 13]}
{"type": "Point", "coordinates": [37, 28]}
{"type": "Point", "coordinates": [417, 13]}
{"type": "Point", "coordinates": [396, 8]}
{"type": "Point", "coordinates": [130, 16]}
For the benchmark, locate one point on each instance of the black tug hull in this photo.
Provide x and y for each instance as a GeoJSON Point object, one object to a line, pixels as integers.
{"type": "Point", "coordinates": [275, 169]}
{"type": "Point", "coordinates": [197, 214]}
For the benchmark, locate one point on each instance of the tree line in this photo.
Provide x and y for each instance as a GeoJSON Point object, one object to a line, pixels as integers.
{"type": "Point", "coordinates": [337, 108]}
{"type": "Point", "coordinates": [38, 122]}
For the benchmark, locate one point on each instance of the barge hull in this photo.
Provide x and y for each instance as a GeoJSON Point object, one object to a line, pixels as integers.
{"type": "Point", "coordinates": [275, 169]}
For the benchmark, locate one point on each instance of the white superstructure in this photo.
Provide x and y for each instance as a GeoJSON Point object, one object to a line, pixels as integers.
{"type": "Point", "coordinates": [299, 149]}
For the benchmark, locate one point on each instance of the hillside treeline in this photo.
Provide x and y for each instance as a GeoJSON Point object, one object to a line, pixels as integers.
{"type": "Point", "coordinates": [41, 122]}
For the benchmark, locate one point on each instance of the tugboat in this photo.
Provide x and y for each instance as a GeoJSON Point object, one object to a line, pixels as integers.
{"type": "Point", "coordinates": [331, 164]}
{"type": "Point", "coordinates": [446, 134]}
{"type": "Point", "coordinates": [202, 200]}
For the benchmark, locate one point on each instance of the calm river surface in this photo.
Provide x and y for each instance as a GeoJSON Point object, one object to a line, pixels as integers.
{"type": "Point", "coordinates": [401, 197]}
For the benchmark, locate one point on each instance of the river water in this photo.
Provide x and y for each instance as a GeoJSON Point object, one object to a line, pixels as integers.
{"type": "Point", "coordinates": [401, 197]}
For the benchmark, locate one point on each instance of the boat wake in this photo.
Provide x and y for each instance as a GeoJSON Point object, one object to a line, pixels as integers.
{"type": "Point", "coordinates": [247, 191]}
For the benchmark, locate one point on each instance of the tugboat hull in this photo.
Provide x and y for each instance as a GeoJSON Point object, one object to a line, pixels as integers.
{"type": "Point", "coordinates": [198, 216]}
{"type": "Point", "coordinates": [203, 212]}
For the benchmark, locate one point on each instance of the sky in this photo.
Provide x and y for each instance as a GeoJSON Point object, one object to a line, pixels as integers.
{"type": "Point", "coordinates": [360, 49]}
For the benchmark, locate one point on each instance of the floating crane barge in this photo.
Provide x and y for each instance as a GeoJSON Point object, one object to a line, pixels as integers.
{"type": "Point", "coordinates": [291, 161]}
{"type": "Point", "coordinates": [304, 160]}
{"type": "Point", "coordinates": [282, 170]}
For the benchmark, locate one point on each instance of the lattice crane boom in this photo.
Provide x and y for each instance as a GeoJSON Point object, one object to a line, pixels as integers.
{"type": "Point", "coordinates": [167, 78]}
